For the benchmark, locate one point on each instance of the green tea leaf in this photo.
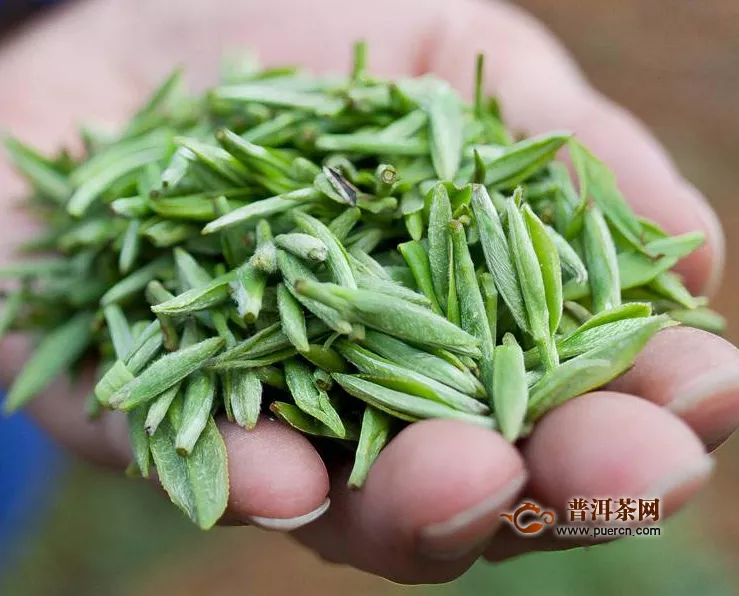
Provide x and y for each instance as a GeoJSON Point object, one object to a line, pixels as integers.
{"type": "Point", "coordinates": [419, 361]}
{"type": "Point", "coordinates": [120, 333]}
{"type": "Point", "coordinates": [511, 165]}
{"type": "Point", "coordinates": [391, 401]}
{"type": "Point", "coordinates": [145, 346]}
{"type": "Point", "coordinates": [325, 357]}
{"type": "Point", "coordinates": [136, 281]}
{"type": "Point", "coordinates": [366, 266]}
{"type": "Point", "coordinates": [303, 246]}
{"type": "Point", "coordinates": [601, 261]}
{"type": "Point", "coordinates": [473, 315]}
{"type": "Point", "coordinates": [630, 310]}
{"type": "Point", "coordinates": [412, 382]}
{"type": "Point", "coordinates": [91, 190]}
{"type": "Point", "coordinates": [401, 319]}
{"type": "Point", "coordinates": [569, 380]}
{"type": "Point", "coordinates": [158, 409]}
{"type": "Point", "coordinates": [309, 398]}
{"type": "Point", "coordinates": [264, 208]}
{"type": "Point", "coordinates": [338, 259]}
{"type": "Point", "coordinates": [510, 389]}
{"type": "Point", "coordinates": [440, 214]}
{"type": "Point", "coordinates": [374, 435]}
{"type": "Point", "coordinates": [568, 258]}
{"type": "Point", "coordinates": [269, 340]}
{"type": "Point", "coordinates": [252, 363]}
{"type": "Point", "coordinates": [38, 170]}
{"type": "Point", "coordinates": [218, 161]}
{"type": "Point", "coordinates": [11, 309]}
{"type": "Point", "coordinates": [292, 318]}
{"type": "Point", "coordinates": [406, 127]}
{"type": "Point", "coordinates": [34, 268]}
{"type": "Point", "coordinates": [130, 248]}
{"type": "Point", "coordinates": [269, 162]}
{"type": "Point", "coordinates": [548, 257]}
{"type": "Point", "coordinates": [54, 354]}
{"type": "Point", "coordinates": [247, 291]}
{"type": "Point", "coordinates": [677, 246]}
{"type": "Point", "coordinates": [597, 181]}
{"type": "Point", "coordinates": [199, 395]}
{"type": "Point", "coordinates": [197, 484]}
{"type": "Point", "coordinates": [132, 207]}
{"type": "Point", "coordinates": [418, 262]}
{"type": "Point", "coordinates": [585, 339]}
{"type": "Point", "coordinates": [243, 391]}
{"type": "Point", "coordinates": [199, 298]}
{"type": "Point", "coordinates": [529, 273]}
{"type": "Point", "coordinates": [258, 92]}
{"type": "Point", "coordinates": [370, 144]}
{"type": "Point", "coordinates": [159, 101]}
{"type": "Point", "coordinates": [115, 377]}
{"type": "Point", "coordinates": [701, 318]}
{"type": "Point", "coordinates": [445, 122]}
{"type": "Point", "coordinates": [670, 286]}
{"type": "Point", "coordinates": [498, 255]}
{"type": "Point", "coordinates": [342, 225]}
{"type": "Point", "coordinates": [165, 372]}
{"type": "Point", "coordinates": [139, 439]}
{"type": "Point", "coordinates": [293, 271]}
{"type": "Point", "coordinates": [300, 421]}
{"type": "Point", "coordinates": [592, 369]}
{"type": "Point", "coordinates": [391, 288]}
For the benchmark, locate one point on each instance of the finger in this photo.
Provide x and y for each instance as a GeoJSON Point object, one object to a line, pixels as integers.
{"type": "Point", "coordinates": [431, 501]}
{"type": "Point", "coordinates": [278, 481]}
{"type": "Point", "coordinates": [610, 445]}
{"type": "Point", "coordinates": [693, 374]}
{"type": "Point", "coordinates": [614, 444]}
{"type": "Point", "coordinates": [540, 90]}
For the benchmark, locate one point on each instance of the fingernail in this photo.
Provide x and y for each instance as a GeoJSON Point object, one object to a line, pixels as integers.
{"type": "Point", "coordinates": [462, 533]}
{"type": "Point", "coordinates": [289, 524]}
{"type": "Point", "coordinates": [712, 404]}
{"type": "Point", "coordinates": [678, 485]}
{"type": "Point", "coordinates": [705, 387]}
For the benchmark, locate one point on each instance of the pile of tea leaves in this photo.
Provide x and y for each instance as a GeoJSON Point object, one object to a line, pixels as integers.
{"type": "Point", "coordinates": [348, 254]}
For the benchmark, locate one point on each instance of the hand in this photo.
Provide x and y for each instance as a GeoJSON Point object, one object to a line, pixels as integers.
{"type": "Point", "coordinates": [431, 505]}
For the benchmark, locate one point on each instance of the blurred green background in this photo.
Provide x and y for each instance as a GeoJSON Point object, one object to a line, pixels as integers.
{"type": "Point", "coordinates": [675, 63]}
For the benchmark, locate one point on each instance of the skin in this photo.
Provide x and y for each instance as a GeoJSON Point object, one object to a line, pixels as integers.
{"type": "Point", "coordinates": [647, 434]}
